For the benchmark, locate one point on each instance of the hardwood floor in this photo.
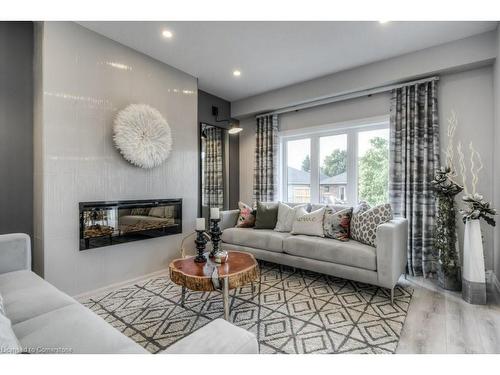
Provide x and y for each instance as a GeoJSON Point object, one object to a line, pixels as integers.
{"type": "Point", "coordinates": [440, 322]}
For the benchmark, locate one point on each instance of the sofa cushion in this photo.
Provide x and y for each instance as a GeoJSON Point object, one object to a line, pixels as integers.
{"type": "Point", "coordinates": [217, 337]}
{"type": "Point", "coordinates": [26, 295]}
{"type": "Point", "coordinates": [8, 339]}
{"type": "Point", "coordinates": [73, 329]}
{"type": "Point", "coordinates": [350, 253]}
{"type": "Point", "coordinates": [266, 239]}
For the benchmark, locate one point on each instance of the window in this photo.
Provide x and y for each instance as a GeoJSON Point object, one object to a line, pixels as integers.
{"type": "Point", "coordinates": [299, 170]}
{"type": "Point", "coordinates": [332, 168]}
{"type": "Point", "coordinates": [373, 166]}
{"type": "Point", "coordinates": [337, 164]}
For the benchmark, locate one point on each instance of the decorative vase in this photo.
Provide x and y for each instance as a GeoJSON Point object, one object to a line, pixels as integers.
{"type": "Point", "coordinates": [474, 276]}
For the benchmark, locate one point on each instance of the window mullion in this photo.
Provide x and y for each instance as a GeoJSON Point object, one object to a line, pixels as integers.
{"type": "Point", "coordinates": [284, 170]}
{"type": "Point", "coordinates": [314, 169]}
{"type": "Point", "coordinates": [352, 168]}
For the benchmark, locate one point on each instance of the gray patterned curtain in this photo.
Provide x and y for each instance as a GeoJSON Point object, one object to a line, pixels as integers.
{"type": "Point", "coordinates": [414, 155]}
{"type": "Point", "coordinates": [266, 159]}
{"type": "Point", "coordinates": [213, 181]}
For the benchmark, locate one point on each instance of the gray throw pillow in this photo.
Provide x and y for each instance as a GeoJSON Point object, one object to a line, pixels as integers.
{"type": "Point", "coordinates": [267, 215]}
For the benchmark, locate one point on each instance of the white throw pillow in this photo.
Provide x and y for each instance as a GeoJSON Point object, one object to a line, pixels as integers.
{"type": "Point", "coordinates": [8, 340]}
{"type": "Point", "coordinates": [310, 224]}
{"type": "Point", "coordinates": [286, 215]}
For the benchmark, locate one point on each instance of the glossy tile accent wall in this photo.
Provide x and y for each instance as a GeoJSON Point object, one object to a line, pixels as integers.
{"type": "Point", "coordinates": [86, 79]}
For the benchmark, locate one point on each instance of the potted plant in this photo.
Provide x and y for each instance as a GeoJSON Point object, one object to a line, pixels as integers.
{"type": "Point", "coordinates": [445, 231]}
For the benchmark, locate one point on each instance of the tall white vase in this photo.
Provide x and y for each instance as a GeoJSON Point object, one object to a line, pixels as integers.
{"type": "Point", "coordinates": [473, 276]}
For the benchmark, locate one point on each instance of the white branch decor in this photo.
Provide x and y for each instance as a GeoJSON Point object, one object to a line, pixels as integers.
{"type": "Point", "coordinates": [463, 169]}
{"type": "Point", "coordinates": [452, 127]}
{"type": "Point", "coordinates": [142, 135]}
{"type": "Point", "coordinates": [475, 173]}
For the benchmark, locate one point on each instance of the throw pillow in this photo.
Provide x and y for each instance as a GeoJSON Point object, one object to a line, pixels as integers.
{"type": "Point", "coordinates": [267, 215]}
{"type": "Point", "coordinates": [8, 340]}
{"type": "Point", "coordinates": [365, 228]}
{"type": "Point", "coordinates": [355, 228]}
{"type": "Point", "coordinates": [307, 223]}
{"type": "Point", "coordinates": [286, 214]}
{"type": "Point", "coordinates": [336, 223]}
{"type": "Point", "coordinates": [246, 217]}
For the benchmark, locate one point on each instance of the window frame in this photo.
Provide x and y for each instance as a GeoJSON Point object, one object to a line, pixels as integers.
{"type": "Point", "coordinates": [314, 133]}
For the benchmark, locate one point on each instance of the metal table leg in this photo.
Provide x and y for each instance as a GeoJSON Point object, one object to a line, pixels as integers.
{"type": "Point", "coordinates": [225, 296]}
{"type": "Point", "coordinates": [183, 296]}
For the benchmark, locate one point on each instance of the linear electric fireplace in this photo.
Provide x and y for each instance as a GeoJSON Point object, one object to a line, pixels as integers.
{"type": "Point", "coordinates": [111, 223]}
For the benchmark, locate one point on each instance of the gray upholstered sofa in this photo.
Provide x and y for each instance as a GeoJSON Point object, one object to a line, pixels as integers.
{"type": "Point", "coordinates": [381, 265]}
{"type": "Point", "coordinates": [45, 320]}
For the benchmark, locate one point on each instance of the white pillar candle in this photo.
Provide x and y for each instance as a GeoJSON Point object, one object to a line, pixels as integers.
{"type": "Point", "coordinates": [200, 223]}
{"type": "Point", "coordinates": [214, 213]}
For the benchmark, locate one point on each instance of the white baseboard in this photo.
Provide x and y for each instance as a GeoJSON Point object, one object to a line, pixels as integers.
{"type": "Point", "coordinates": [109, 288]}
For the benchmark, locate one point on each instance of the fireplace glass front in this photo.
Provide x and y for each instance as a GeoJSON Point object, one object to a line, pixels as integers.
{"type": "Point", "coordinates": [111, 223]}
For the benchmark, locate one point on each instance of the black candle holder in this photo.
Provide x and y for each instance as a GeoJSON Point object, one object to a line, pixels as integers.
{"type": "Point", "coordinates": [215, 234]}
{"type": "Point", "coordinates": [200, 242]}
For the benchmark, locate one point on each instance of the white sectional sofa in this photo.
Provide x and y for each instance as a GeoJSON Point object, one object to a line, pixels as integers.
{"type": "Point", "coordinates": [381, 265]}
{"type": "Point", "coordinates": [45, 320]}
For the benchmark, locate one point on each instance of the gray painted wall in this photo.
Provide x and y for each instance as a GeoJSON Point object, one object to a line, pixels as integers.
{"type": "Point", "coordinates": [16, 127]}
{"type": "Point", "coordinates": [469, 93]}
{"type": "Point", "coordinates": [87, 78]}
{"type": "Point", "coordinates": [496, 156]}
{"type": "Point", "coordinates": [205, 103]}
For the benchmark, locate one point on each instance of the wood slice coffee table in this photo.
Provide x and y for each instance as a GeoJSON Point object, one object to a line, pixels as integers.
{"type": "Point", "coordinates": [240, 268]}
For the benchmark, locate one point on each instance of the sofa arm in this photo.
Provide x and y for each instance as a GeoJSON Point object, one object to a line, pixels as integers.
{"type": "Point", "coordinates": [15, 252]}
{"type": "Point", "coordinates": [217, 337]}
{"type": "Point", "coordinates": [392, 243]}
{"type": "Point", "coordinates": [228, 219]}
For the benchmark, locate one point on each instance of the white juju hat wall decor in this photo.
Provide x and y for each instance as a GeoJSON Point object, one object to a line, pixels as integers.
{"type": "Point", "coordinates": [142, 135]}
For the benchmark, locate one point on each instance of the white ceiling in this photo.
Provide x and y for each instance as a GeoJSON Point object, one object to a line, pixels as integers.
{"type": "Point", "coordinates": [276, 54]}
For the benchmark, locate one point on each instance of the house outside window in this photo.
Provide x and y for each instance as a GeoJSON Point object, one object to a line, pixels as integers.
{"type": "Point", "coordinates": [336, 164]}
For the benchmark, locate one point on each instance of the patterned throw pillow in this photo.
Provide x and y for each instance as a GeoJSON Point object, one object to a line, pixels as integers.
{"type": "Point", "coordinates": [364, 224]}
{"type": "Point", "coordinates": [310, 224]}
{"type": "Point", "coordinates": [355, 228]}
{"type": "Point", "coordinates": [246, 218]}
{"type": "Point", "coordinates": [336, 223]}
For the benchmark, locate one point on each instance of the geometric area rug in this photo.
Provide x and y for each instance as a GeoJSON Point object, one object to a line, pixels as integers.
{"type": "Point", "coordinates": [290, 311]}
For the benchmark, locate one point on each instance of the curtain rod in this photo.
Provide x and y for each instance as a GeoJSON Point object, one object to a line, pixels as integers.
{"type": "Point", "coordinates": [345, 96]}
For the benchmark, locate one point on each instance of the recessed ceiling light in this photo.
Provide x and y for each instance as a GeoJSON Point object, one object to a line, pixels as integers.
{"type": "Point", "coordinates": [384, 21]}
{"type": "Point", "coordinates": [236, 73]}
{"type": "Point", "coordinates": [167, 34]}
